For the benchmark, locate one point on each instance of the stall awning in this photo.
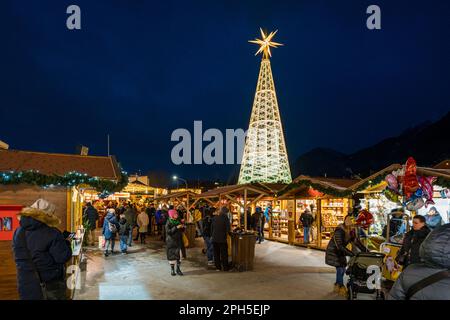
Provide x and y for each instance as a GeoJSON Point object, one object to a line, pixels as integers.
{"type": "Point", "coordinates": [175, 195]}
{"type": "Point", "coordinates": [252, 190]}
{"type": "Point", "coordinates": [327, 186]}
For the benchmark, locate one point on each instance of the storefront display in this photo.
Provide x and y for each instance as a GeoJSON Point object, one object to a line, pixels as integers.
{"type": "Point", "coordinates": [333, 212]}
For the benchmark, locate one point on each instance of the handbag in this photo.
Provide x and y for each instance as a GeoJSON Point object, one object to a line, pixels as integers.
{"type": "Point", "coordinates": [35, 270]}
{"type": "Point", "coordinates": [185, 240]}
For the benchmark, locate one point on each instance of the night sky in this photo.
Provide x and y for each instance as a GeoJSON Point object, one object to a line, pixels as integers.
{"type": "Point", "coordinates": [140, 69]}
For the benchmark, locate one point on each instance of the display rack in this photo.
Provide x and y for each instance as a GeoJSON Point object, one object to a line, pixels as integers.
{"type": "Point", "coordinates": [284, 222]}
{"type": "Point", "coordinates": [276, 226]}
{"type": "Point", "coordinates": [333, 213]}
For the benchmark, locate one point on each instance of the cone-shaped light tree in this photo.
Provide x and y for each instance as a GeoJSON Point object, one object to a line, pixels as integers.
{"type": "Point", "coordinates": [265, 157]}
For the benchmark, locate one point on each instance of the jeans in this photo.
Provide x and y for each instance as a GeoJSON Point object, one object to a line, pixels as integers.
{"type": "Point", "coordinates": [130, 238]}
{"type": "Point", "coordinates": [142, 236]}
{"type": "Point", "coordinates": [260, 236]}
{"type": "Point", "coordinates": [306, 231]}
{"type": "Point", "coordinates": [209, 248]}
{"type": "Point", "coordinates": [109, 242]}
{"type": "Point", "coordinates": [340, 271]}
{"type": "Point", "coordinates": [123, 243]}
{"type": "Point", "coordinates": [221, 255]}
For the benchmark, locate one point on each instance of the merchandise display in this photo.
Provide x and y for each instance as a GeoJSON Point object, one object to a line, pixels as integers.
{"type": "Point", "coordinates": [333, 213]}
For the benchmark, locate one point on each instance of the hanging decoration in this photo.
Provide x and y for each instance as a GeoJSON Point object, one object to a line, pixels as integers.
{"type": "Point", "coordinates": [68, 180]}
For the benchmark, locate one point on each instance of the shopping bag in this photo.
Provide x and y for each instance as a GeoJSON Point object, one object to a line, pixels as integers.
{"type": "Point", "coordinates": [185, 240]}
{"type": "Point", "coordinates": [101, 242]}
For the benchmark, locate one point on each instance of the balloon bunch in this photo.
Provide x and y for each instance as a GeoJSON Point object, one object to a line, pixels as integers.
{"type": "Point", "coordinates": [364, 219]}
{"type": "Point", "coordinates": [414, 189]}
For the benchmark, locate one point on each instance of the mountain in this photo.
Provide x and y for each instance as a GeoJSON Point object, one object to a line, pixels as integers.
{"type": "Point", "coordinates": [428, 143]}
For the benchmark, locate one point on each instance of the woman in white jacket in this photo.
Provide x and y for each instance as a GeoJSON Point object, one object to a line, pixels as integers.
{"type": "Point", "coordinates": [142, 222]}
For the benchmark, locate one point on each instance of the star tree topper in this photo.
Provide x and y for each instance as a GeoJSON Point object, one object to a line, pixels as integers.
{"type": "Point", "coordinates": [265, 43]}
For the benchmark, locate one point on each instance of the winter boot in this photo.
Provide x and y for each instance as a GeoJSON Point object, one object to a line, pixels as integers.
{"type": "Point", "coordinates": [343, 291]}
{"type": "Point", "coordinates": [336, 288]}
{"type": "Point", "coordinates": [172, 267]}
{"type": "Point", "coordinates": [179, 270]}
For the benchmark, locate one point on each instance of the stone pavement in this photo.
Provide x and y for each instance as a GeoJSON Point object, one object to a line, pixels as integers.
{"type": "Point", "coordinates": [280, 272]}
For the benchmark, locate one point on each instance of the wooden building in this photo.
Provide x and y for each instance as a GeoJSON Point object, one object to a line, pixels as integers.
{"type": "Point", "coordinates": [67, 199]}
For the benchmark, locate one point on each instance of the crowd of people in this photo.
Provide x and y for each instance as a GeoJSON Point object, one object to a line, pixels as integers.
{"type": "Point", "coordinates": [424, 256]}
{"type": "Point", "coordinates": [41, 250]}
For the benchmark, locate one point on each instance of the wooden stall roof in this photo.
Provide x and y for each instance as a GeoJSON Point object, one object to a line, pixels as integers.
{"type": "Point", "coordinates": [338, 184]}
{"type": "Point", "coordinates": [252, 190]}
{"type": "Point", "coordinates": [177, 195]}
{"type": "Point", "coordinates": [443, 165]}
{"type": "Point", "coordinates": [59, 164]}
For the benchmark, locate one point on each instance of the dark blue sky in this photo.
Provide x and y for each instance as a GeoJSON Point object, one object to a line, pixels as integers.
{"type": "Point", "coordinates": [140, 69]}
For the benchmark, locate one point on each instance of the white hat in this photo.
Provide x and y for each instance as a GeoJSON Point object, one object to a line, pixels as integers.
{"type": "Point", "coordinates": [111, 210]}
{"type": "Point", "coordinates": [44, 205]}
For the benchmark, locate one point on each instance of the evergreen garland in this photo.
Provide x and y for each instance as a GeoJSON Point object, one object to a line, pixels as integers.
{"type": "Point", "coordinates": [70, 179]}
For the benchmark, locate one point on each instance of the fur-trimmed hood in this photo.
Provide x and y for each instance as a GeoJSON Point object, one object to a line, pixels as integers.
{"type": "Point", "coordinates": [46, 218]}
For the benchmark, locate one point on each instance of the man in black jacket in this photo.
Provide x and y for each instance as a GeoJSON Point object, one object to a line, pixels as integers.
{"type": "Point", "coordinates": [307, 220]}
{"type": "Point", "coordinates": [219, 231]}
{"type": "Point", "coordinates": [409, 253]}
{"type": "Point", "coordinates": [91, 216]}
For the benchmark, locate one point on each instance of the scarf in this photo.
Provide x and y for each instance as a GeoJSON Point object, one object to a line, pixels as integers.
{"type": "Point", "coordinates": [174, 221]}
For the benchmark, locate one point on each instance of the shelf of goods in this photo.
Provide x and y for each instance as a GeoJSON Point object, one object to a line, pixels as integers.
{"type": "Point", "coordinates": [276, 226]}
{"type": "Point", "coordinates": [333, 213]}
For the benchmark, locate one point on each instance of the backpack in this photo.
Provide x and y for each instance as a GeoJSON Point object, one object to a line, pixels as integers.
{"type": "Point", "coordinates": [112, 227]}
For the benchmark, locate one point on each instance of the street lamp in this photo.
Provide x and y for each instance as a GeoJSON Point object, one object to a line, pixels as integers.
{"type": "Point", "coordinates": [178, 178]}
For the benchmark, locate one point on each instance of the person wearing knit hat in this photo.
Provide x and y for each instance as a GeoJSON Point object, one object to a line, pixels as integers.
{"type": "Point", "coordinates": [40, 251]}
{"type": "Point", "coordinates": [174, 241]}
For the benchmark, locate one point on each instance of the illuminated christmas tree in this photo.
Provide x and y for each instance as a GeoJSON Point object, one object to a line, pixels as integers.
{"type": "Point", "coordinates": [265, 157]}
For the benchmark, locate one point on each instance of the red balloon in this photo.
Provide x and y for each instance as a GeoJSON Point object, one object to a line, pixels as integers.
{"type": "Point", "coordinates": [364, 219]}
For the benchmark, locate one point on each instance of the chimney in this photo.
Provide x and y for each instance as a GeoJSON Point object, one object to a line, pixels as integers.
{"type": "Point", "coordinates": [4, 145]}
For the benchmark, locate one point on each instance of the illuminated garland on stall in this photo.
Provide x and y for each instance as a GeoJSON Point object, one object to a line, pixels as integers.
{"type": "Point", "coordinates": [68, 180]}
{"type": "Point", "coordinates": [319, 187]}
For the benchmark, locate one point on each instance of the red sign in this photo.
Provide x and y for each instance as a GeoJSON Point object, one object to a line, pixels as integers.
{"type": "Point", "coordinates": [8, 221]}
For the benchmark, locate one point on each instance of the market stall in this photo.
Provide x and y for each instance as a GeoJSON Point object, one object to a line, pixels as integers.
{"type": "Point", "coordinates": [327, 199]}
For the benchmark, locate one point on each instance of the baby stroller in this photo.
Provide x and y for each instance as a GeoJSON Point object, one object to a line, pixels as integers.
{"type": "Point", "coordinates": [357, 272]}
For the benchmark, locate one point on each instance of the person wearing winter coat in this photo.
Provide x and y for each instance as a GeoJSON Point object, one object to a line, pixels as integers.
{"type": "Point", "coordinates": [307, 220]}
{"type": "Point", "coordinates": [433, 218]}
{"type": "Point", "coordinates": [174, 241]}
{"type": "Point", "coordinates": [207, 232]}
{"type": "Point", "coordinates": [259, 224]}
{"type": "Point", "coordinates": [124, 232]}
{"type": "Point", "coordinates": [142, 222]}
{"type": "Point", "coordinates": [337, 251]}
{"type": "Point", "coordinates": [40, 252]}
{"type": "Point", "coordinates": [91, 216]}
{"type": "Point", "coordinates": [435, 258]}
{"type": "Point", "coordinates": [219, 230]}
{"type": "Point", "coordinates": [409, 252]}
{"type": "Point", "coordinates": [110, 228]}
{"type": "Point", "coordinates": [130, 215]}
{"type": "Point", "coordinates": [150, 210]}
